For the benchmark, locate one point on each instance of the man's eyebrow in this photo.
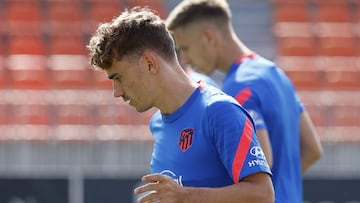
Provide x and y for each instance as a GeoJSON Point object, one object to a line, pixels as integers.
{"type": "Point", "coordinates": [112, 76]}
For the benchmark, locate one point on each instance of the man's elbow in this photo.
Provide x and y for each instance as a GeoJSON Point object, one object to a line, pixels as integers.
{"type": "Point", "coordinates": [318, 153]}
{"type": "Point", "coordinates": [267, 194]}
{"type": "Point", "coordinates": [311, 157]}
{"type": "Point", "coordinates": [270, 197]}
{"type": "Point", "coordinates": [262, 190]}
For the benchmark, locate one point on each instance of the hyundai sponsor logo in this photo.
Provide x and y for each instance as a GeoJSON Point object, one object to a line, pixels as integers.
{"type": "Point", "coordinates": [257, 152]}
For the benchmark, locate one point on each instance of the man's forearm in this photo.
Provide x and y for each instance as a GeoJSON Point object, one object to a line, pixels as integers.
{"type": "Point", "coordinates": [246, 191]}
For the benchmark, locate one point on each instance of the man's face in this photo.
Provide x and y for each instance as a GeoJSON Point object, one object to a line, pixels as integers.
{"type": "Point", "coordinates": [194, 47]}
{"type": "Point", "coordinates": [129, 82]}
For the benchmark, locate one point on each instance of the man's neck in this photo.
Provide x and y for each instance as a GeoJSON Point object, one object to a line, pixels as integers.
{"type": "Point", "coordinates": [232, 50]}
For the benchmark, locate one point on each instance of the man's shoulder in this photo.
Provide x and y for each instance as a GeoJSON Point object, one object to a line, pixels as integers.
{"type": "Point", "coordinates": [215, 99]}
{"type": "Point", "coordinates": [196, 76]}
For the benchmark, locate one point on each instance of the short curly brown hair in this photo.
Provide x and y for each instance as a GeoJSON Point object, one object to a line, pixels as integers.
{"type": "Point", "coordinates": [133, 31]}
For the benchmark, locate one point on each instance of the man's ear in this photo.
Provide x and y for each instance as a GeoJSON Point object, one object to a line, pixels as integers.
{"type": "Point", "coordinates": [209, 36]}
{"type": "Point", "coordinates": [149, 61]}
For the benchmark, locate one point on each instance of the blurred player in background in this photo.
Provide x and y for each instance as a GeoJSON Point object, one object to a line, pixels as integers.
{"type": "Point", "coordinates": [204, 34]}
{"type": "Point", "coordinates": [195, 75]}
{"type": "Point", "coordinates": [201, 154]}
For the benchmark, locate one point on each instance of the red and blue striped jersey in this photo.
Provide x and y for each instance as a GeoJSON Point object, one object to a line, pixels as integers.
{"type": "Point", "coordinates": [210, 141]}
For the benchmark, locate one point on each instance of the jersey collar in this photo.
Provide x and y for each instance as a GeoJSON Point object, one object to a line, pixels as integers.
{"type": "Point", "coordinates": [239, 60]}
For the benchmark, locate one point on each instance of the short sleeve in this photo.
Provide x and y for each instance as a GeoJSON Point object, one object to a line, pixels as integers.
{"type": "Point", "coordinates": [234, 136]}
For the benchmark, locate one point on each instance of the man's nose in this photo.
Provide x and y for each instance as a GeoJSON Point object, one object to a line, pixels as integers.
{"type": "Point", "coordinates": [117, 90]}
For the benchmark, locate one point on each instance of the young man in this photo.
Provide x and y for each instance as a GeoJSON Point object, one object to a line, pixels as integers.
{"type": "Point", "coordinates": [195, 75]}
{"type": "Point", "coordinates": [203, 32]}
{"type": "Point", "coordinates": [201, 154]}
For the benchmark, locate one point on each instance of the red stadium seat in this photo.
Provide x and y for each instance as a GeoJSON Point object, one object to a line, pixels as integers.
{"type": "Point", "coordinates": [290, 2]}
{"type": "Point", "coordinates": [292, 12]}
{"type": "Point", "coordinates": [3, 73]}
{"type": "Point", "coordinates": [2, 19]}
{"type": "Point", "coordinates": [119, 114]}
{"type": "Point", "coordinates": [303, 71]}
{"type": "Point", "coordinates": [100, 81]}
{"type": "Point", "coordinates": [342, 79]}
{"type": "Point", "coordinates": [66, 1]}
{"type": "Point", "coordinates": [26, 45]}
{"type": "Point", "coordinates": [293, 29]}
{"type": "Point", "coordinates": [74, 133]}
{"type": "Point", "coordinates": [306, 79]}
{"type": "Point", "coordinates": [142, 118]}
{"type": "Point", "coordinates": [296, 46]}
{"type": "Point", "coordinates": [337, 108]}
{"type": "Point", "coordinates": [340, 73]}
{"type": "Point", "coordinates": [356, 22]}
{"type": "Point", "coordinates": [5, 114]}
{"type": "Point", "coordinates": [34, 114]}
{"type": "Point", "coordinates": [65, 18]}
{"type": "Point", "coordinates": [333, 12]}
{"type": "Point", "coordinates": [67, 45]}
{"type": "Point", "coordinates": [25, 132]}
{"type": "Point", "coordinates": [2, 50]}
{"type": "Point", "coordinates": [28, 71]}
{"type": "Point", "coordinates": [69, 71]}
{"type": "Point", "coordinates": [24, 18]}
{"type": "Point", "coordinates": [338, 63]}
{"type": "Point", "coordinates": [357, 13]}
{"type": "Point", "coordinates": [288, 63]}
{"type": "Point", "coordinates": [24, 1]}
{"type": "Point", "coordinates": [72, 114]}
{"type": "Point", "coordinates": [114, 2]}
{"type": "Point", "coordinates": [338, 46]}
{"type": "Point", "coordinates": [333, 29]}
{"type": "Point", "coordinates": [102, 12]}
{"type": "Point", "coordinates": [346, 115]}
{"type": "Point", "coordinates": [317, 113]}
{"type": "Point", "coordinates": [3, 80]}
{"type": "Point", "coordinates": [332, 2]}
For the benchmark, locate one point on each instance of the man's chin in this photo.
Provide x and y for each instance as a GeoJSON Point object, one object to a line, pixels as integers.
{"type": "Point", "coordinates": [140, 109]}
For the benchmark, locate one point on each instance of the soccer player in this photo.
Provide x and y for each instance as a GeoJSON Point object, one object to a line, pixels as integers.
{"type": "Point", "coordinates": [204, 33]}
{"type": "Point", "coordinates": [195, 75]}
{"type": "Point", "coordinates": [205, 145]}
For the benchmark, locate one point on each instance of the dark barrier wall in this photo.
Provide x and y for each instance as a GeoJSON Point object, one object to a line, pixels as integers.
{"type": "Point", "coordinates": [332, 191]}
{"type": "Point", "coordinates": [315, 190]}
{"type": "Point", "coordinates": [112, 190]}
{"type": "Point", "coordinates": [27, 190]}
{"type": "Point", "coordinates": [109, 190]}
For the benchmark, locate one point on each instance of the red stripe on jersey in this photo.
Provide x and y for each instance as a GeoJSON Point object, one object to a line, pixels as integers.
{"type": "Point", "coordinates": [201, 84]}
{"type": "Point", "coordinates": [242, 150]}
{"type": "Point", "coordinates": [243, 96]}
{"type": "Point", "coordinates": [242, 58]}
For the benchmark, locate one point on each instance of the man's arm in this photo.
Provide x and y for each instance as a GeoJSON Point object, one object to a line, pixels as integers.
{"type": "Point", "coordinates": [310, 146]}
{"type": "Point", "coordinates": [254, 188]}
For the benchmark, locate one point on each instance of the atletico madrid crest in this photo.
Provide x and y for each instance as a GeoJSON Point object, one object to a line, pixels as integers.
{"type": "Point", "coordinates": [186, 137]}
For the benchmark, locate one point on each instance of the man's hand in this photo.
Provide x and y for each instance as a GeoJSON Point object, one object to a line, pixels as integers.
{"type": "Point", "coordinates": [160, 188]}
